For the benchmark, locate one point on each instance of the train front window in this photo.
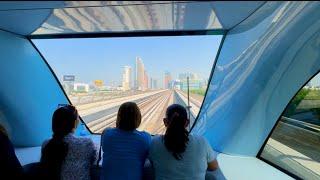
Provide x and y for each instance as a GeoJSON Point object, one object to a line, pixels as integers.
{"type": "Point", "coordinates": [99, 74]}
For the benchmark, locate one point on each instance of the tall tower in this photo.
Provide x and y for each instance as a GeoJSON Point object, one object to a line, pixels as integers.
{"type": "Point", "coordinates": [139, 74]}
{"type": "Point", "coordinates": [126, 78]}
{"type": "Point", "coordinates": [167, 80]}
{"type": "Point", "coordinates": [145, 81]}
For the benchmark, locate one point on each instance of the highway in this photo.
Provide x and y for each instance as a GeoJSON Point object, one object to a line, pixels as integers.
{"type": "Point", "coordinates": [102, 114]}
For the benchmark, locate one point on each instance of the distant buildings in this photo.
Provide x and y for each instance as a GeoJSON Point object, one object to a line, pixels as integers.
{"type": "Point", "coordinates": [191, 75]}
{"type": "Point", "coordinates": [194, 81]}
{"type": "Point", "coordinates": [126, 78]}
{"type": "Point", "coordinates": [81, 87]}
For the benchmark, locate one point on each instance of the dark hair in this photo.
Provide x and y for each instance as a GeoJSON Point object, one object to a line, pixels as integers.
{"type": "Point", "coordinates": [3, 130]}
{"type": "Point", "coordinates": [176, 136]}
{"type": "Point", "coordinates": [129, 116]}
{"type": "Point", "coordinates": [53, 154]}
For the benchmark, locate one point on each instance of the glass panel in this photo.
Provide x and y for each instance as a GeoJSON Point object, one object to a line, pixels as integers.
{"type": "Point", "coordinates": [100, 74]}
{"type": "Point", "coordinates": [295, 142]}
{"type": "Point", "coordinates": [127, 18]}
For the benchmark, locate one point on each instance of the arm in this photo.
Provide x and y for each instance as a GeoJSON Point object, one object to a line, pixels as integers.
{"type": "Point", "coordinates": [211, 157]}
{"type": "Point", "coordinates": [213, 165]}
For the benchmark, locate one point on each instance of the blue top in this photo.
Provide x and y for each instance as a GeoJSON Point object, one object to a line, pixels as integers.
{"type": "Point", "coordinates": [124, 153]}
{"type": "Point", "coordinates": [192, 166]}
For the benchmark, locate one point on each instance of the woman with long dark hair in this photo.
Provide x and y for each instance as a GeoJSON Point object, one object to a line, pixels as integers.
{"type": "Point", "coordinates": [125, 149]}
{"type": "Point", "coordinates": [178, 154]}
{"type": "Point", "coordinates": [65, 156]}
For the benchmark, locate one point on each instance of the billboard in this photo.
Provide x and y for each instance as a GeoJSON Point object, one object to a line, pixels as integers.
{"type": "Point", "coordinates": [69, 78]}
{"type": "Point", "coordinates": [98, 83]}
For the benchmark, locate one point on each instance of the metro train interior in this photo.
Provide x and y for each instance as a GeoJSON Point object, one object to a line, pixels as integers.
{"type": "Point", "coordinates": [246, 71]}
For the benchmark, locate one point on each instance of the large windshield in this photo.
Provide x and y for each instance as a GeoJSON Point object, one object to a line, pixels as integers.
{"type": "Point", "coordinates": [99, 74]}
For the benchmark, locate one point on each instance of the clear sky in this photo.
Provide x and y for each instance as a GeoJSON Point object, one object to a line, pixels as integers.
{"type": "Point", "coordinates": [104, 58]}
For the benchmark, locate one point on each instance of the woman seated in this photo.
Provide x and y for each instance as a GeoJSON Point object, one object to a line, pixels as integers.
{"type": "Point", "coordinates": [124, 148]}
{"type": "Point", "coordinates": [10, 167]}
{"type": "Point", "coordinates": [65, 156]}
{"type": "Point", "coordinates": [178, 154]}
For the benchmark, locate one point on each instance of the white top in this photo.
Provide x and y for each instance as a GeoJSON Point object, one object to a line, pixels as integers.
{"type": "Point", "coordinates": [193, 164]}
{"type": "Point", "coordinates": [81, 156]}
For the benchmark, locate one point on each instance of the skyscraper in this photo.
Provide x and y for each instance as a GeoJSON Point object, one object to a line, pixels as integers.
{"type": "Point", "coordinates": [167, 80]}
{"type": "Point", "coordinates": [154, 84]}
{"type": "Point", "coordinates": [145, 81]}
{"type": "Point", "coordinates": [126, 78]}
{"type": "Point", "coordinates": [139, 74]}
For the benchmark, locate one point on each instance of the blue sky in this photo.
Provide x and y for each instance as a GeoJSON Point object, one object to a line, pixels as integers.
{"type": "Point", "coordinates": [104, 58]}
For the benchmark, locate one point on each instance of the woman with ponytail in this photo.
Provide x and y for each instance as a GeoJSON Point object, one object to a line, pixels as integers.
{"type": "Point", "coordinates": [65, 156]}
{"type": "Point", "coordinates": [178, 154]}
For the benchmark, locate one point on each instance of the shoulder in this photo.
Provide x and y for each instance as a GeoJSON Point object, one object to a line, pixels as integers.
{"type": "Point", "coordinates": [109, 132]}
{"type": "Point", "coordinates": [156, 140]}
{"type": "Point", "coordinates": [45, 142]}
{"type": "Point", "coordinates": [144, 134]}
{"type": "Point", "coordinates": [84, 142]}
{"type": "Point", "coordinates": [197, 138]}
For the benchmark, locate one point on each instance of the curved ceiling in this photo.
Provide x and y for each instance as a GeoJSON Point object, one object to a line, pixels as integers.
{"type": "Point", "coordinates": [73, 17]}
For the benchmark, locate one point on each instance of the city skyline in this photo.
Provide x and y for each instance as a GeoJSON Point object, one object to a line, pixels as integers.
{"type": "Point", "coordinates": [142, 81]}
{"type": "Point", "coordinates": [104, 58]}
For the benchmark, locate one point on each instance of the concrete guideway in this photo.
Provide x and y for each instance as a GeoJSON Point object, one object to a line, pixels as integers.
{"type": "Point", "coordinates": [195, 104]}
{"type": "Point", "coordinates": [289, 158]}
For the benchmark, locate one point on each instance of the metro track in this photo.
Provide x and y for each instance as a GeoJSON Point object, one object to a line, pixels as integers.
{"type": "Point", "coordinates": [148, 107]}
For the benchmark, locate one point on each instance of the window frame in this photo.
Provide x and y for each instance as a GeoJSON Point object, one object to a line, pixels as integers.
{"type": "Point", "coordinates": [129, 34]}
{"type": "Point", "coordinates": [209, 81]}
{"type": "Point", "coordinates": [274, 127]}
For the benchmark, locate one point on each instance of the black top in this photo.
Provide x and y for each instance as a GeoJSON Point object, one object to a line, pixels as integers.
{"type": "Point", "coordinates": [10, 167]}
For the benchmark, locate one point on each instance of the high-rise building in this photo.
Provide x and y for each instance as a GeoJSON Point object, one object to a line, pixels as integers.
{"type": "Point", "coordinates": [145, 81]}
{"type": "Point", "coordinates": [167, 80]}
{"type": "Point", "coordinates": [154, 84]}
{"type": "Point", "coordinates": [126, 78]}
{"type": "Point", "coordinates": [139, 74]}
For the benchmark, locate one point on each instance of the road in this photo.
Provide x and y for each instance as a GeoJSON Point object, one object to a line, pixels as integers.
{"type": "Point", "coordinates": [152, 104]}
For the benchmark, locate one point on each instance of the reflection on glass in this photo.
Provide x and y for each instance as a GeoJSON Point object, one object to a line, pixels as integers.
{"type": "Point", "coordinates": [142, 17]}
{"type": "Point", "coordinates": [295, 143]}
{"type": "Point", "coordinates": [98, 75]}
